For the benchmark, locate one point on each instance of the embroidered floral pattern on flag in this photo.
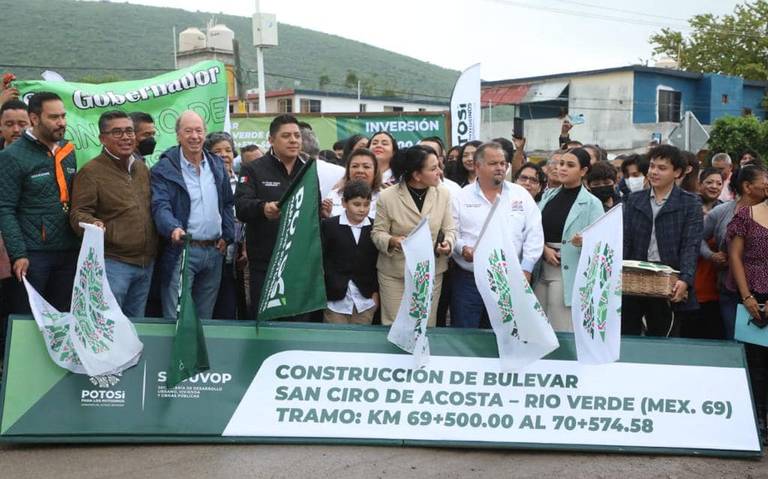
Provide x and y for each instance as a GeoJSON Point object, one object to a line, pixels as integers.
{"type": "Point", "coordinates": [596, 294]}
{"type": "Point", "coordinates": [419, 299]}
{"type": "Point", "coordinates": [497, 280]}
{"type": "Point", "coordinates": [523, 333]}
{"type": "Point", "coordinates": [598, 275]}
{"type": "Point", "coordinates": [95, 330]}
{"type": "Point", "coordinates": [409, 330]}
{"type": "Point", "coordinates": [95, 337]}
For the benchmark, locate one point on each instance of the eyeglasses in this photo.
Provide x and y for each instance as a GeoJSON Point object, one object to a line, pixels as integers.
{"type": "Point", "coordinates": [119, 132]}
{"type": "Point", "coordinates": [528, 179]}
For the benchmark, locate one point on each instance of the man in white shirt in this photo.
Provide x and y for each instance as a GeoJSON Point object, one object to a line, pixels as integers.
{"type": "Point", "coordinates": [471, 208]}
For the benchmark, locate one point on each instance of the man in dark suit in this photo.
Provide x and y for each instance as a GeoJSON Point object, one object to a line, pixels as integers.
{"type": "Point", "coordinates": [662, 224]}
{"type": "Point", "coordinates": [349, 258]}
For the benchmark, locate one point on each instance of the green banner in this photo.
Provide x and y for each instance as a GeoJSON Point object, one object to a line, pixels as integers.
{"type": "Point", "coordinates": [202, 88]}
{"type": "Point", "coordinates": [316, 383]}
{"type": "Point", "coordinates": [407, 128]}
{"type": "Point", "coordinates": [294, 281]}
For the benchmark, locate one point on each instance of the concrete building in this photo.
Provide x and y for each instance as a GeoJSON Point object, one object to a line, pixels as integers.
{"type": "Point", "coordinates": [622, 107]}
{"type": "Point", "coordinates": [316, 101]}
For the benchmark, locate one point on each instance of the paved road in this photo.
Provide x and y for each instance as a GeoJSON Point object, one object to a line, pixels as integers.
{"type": "Point", "coordinates": [342, 462]}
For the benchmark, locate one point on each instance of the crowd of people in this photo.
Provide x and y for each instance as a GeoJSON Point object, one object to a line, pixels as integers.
{"type": "Point", "coordinates": [710, 224]}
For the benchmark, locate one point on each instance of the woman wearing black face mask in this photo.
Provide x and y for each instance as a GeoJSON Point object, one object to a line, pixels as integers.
{"type": "Point", "coordinates": [601, 181]}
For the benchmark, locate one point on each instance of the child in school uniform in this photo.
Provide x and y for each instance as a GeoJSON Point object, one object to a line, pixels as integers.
{"type": "Point", "coordinates": [349, 259]}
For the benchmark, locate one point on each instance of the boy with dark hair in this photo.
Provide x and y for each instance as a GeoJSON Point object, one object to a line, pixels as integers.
{"type": "Point", "coordinates": [349, 259]}
{"type": "Point", "coordinates": [662, 224]}
{"type": "Point", "coordinates": [601, 181]}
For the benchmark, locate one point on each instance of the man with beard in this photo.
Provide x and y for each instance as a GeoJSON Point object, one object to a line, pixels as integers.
{"type": "Point", "coordinates": [471, 208]}
{"type": "Point", "coordinates": [14, 119]}
{"type": "Point", "coordinates": [36, 174]}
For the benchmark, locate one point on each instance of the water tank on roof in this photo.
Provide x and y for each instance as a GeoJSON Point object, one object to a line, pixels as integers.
{"type": "Point", "coordinates": [666, 62]}
{"type": "Point", "coordinates": [191, 39]}
{"type": "Point", "coordinates": [220, 37]}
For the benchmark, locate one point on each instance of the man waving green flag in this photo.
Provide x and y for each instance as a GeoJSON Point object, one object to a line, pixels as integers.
{"type": "Point", "coordinates": [190, 355]}
{"type": "Point", "coordinates": [294, 282]}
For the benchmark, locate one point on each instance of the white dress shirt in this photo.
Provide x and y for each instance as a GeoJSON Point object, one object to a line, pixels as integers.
{"type": "Point", "coordinates": [523, 219]}
{"type": "Point", "coordinates": [354, 298]}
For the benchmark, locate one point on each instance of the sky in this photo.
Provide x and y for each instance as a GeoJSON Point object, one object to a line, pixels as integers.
{"type": "Point", "coordinates": [510, 38]}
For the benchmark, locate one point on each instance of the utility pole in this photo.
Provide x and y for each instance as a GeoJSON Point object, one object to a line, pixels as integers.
{"type": "Point", "coordinates": [264, 35]}
{"type": "Point", "coordinates": [175, 52]}
{"type": "Point", "coordinates": [239, 87]}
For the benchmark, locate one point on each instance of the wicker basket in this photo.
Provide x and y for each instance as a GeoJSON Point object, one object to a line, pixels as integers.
{"type": "Point", "coordinates": [642, 282]}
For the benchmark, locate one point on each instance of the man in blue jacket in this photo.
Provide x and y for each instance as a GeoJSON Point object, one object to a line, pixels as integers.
{"type": "Point", "coordinates": [662, 224]}
{"type": "Point", "coordinates": [191, 196]}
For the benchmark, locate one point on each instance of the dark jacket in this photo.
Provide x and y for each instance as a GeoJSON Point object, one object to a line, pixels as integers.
{"type": "Point", "coordinates": [171, 202]}
{"type": "Point", "coordinates": [34, 211]}
{"type": "Point", "coordinates": [261, 181]}
{"type": "Point", "coordinates": [345, 260]}
{"type": "Point", "coordinates": [679, 229]}
{"type": "Point", "coordinates": [107, 192]}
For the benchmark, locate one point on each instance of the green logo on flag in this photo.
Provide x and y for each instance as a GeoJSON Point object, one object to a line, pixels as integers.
{"type": "Point", "coordinates": [598, 276]}
{"type": "Point", "coordinates": [498, 281]}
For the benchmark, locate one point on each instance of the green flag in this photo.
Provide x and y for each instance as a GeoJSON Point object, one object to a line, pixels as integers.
{"type": "Point", "coordinates": [201, 87]}
{"type": "Point", "coordinates": [295, 280]}
{"type": "Point", "coordinates": [190, 355]}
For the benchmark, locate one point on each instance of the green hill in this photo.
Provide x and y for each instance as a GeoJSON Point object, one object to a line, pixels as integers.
{"type": "Point", "coordinates": [103, 41]}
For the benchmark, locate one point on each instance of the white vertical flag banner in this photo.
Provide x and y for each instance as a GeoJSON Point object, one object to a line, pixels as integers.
{"type": "Point", "coordinates": [465, 107]}
{"type": "Point", "coordinates": [95, 337]}
{"type": "Point", "coordinates": [523, 332]}
{"type": "Point", "coordinates": [596, 303]}
{"type": "Point", "coordinates": [409, 330]}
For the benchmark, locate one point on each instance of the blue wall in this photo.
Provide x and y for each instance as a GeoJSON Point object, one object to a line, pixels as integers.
{"type": "Point", "coordinates": [644, 108]}
{"type": "Point", "coordinates": [703, 96]}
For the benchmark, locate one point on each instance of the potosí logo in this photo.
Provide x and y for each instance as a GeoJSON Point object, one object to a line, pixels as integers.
{"type": "Point", "coordinates": [103, 382]}
{"type": "Point", "coordinates": [200, 378]}
{"type": "Point", "coordinates": [276, 284]}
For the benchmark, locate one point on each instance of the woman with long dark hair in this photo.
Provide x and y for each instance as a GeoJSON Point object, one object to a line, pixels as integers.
{"type": "Point", "coordinates": [384, 146]}
{"type": "Point", "coordinates": [400, 208]}
{"type": "Point", "coordinates": [463, 170]}
{"type": "Point", "coordinates": [565, 212]}
{"type": "Point", "coordinates": [361, 166]}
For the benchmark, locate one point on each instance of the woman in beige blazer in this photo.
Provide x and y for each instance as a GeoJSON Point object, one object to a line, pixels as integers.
{"type": "Point", "coordinates": [399, 209]}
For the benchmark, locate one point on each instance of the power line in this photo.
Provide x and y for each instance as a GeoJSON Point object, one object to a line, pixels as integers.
{"type": "Point", "coordinates": [623, 19]}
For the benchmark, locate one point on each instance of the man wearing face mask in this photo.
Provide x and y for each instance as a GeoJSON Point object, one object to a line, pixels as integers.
{"type": "Point", "coordinates": [144, 126]}
{"type": "Point", "coordinates": [634, 170]}
{"type": "Point", "coordinates": [601, 181]}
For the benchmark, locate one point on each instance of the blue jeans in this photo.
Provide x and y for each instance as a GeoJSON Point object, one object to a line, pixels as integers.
{"type": "Point", "coordinates": [205, 275]}
{"type": "Point", "coordinates": [728, 302]}
{"type": "Point", "coordinates": [130, 285]}
{"type": "Point", "coordinates": [467, 308]}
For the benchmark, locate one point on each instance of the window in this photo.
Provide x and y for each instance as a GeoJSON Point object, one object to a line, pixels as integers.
{"type": "Point", "coordinates": [285, 105]}
{"type": "Point", "coordinates": [363, 107]}
{"type": "Point", "coordinates": [253, 106]}
{"type": "Point", "coordinates": [724, 99]}
{"type": "Point", "coordinates": [669, 105]}
{"type": "Point", "coordinates": [393, 108]}
{"type": "Point", "coordinates": [309, 106]}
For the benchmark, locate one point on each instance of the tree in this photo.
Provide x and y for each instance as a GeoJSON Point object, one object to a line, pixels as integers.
{"type": "Point", "coordinates": [734, 44]}
{"type": "Point", "coordinates": [351, 80]}
{"type": "Point", "coordinates": [324, 81]}
{"type": "Point", "coordinates": [734, 134]}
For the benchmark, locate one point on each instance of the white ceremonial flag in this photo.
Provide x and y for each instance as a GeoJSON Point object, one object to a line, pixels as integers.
{"type": "Point", "coordinates": [95, 337]}
{"type": "Point", "coordinates": [523, 333]}
{"type": "Point", "coordinates": [409, 330]}
{"type": "Point", "coordinates": [596, 300]}
{"type": "Point", "coordinates": [465, 107]}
